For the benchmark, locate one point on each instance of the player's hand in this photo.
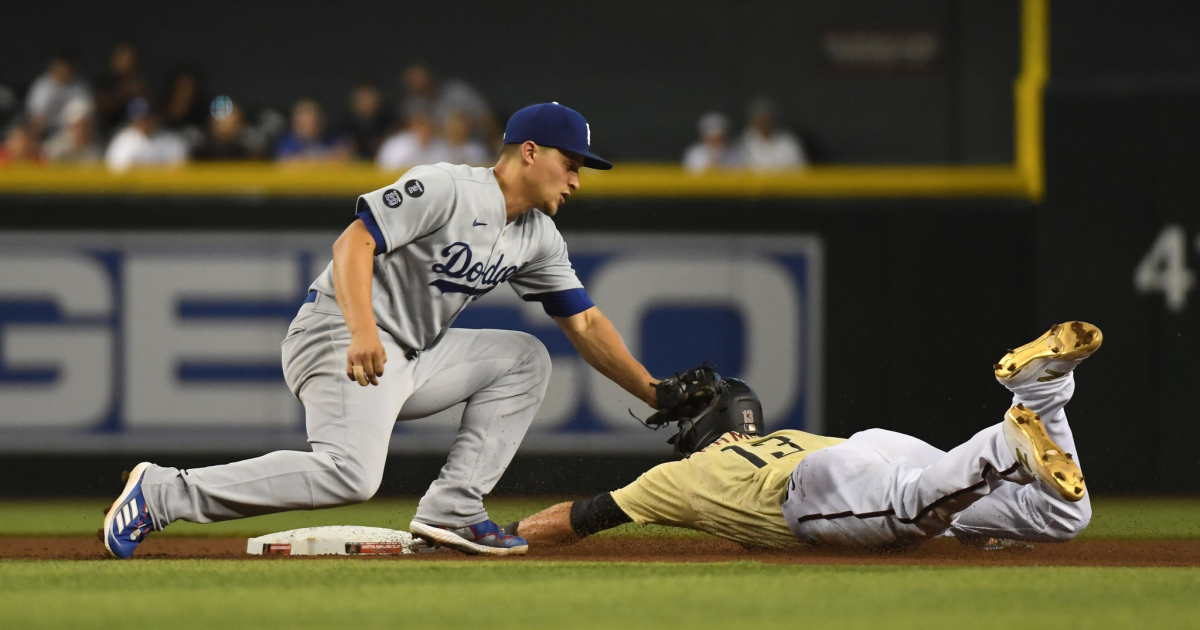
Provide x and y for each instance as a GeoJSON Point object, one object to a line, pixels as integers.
{"type": "Point", "coordinates": [367, 354]}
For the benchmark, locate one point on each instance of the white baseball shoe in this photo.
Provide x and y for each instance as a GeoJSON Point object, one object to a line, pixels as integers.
{"type": "Point", "coordinates": [486, 538]}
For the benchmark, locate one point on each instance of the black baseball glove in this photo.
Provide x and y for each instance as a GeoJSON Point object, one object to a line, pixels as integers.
{"type": "Point", "coordinates": [684, 395]}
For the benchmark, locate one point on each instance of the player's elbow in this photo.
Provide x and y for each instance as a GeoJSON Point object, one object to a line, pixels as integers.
{"type": "Point", "coordinates": [354, 240]}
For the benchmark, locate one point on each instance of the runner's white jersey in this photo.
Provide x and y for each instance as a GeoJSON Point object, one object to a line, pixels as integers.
{"type": "Point", "coordinates": [442, 242]}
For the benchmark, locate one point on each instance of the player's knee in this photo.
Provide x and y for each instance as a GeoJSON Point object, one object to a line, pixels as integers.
{"type": "Point", "coordinates": [361, 489]}
{"type": "Point", "coordinates": [1075, 518]}
{"type": "Point", "coordinates": [536, 357]}
{"type": "Point", "coordinates": [357, 483]}
{"type": "Point", "coordinates": [1064, 521]}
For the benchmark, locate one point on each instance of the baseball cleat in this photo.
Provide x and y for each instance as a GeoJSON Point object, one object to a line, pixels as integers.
{"type": "Point", "coordinates": [1040, 456]}
{"type": "Point", "coordinates": [127, 521]}
{"type": "Point", "coordinates": [484, 538]}
{"type": "Point", "coordinates": [1051, 356]}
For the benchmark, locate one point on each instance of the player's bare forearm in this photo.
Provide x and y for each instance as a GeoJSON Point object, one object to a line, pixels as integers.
{"type": "Point", "coordinates": [353, 265]}
{"type": "Point", "coordinates": [551, 525]}
{"type": "Point", "coordinates": [602, 347]}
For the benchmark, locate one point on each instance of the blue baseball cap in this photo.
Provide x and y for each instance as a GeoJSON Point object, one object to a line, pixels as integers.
{"type": "Point", "coordinates": [552, 125]}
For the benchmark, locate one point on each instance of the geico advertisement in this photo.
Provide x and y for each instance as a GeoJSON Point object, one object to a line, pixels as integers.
{"type": "Point", "coordinates": [120, 342]}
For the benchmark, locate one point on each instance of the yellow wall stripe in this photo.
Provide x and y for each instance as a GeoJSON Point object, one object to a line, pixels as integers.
{"type": "Point", "coordinates": [627, 180]}
{"type": "Point", "coordinates": [1022, 179]}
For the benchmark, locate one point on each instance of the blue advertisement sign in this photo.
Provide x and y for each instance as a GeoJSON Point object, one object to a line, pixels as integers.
{"type": "Point", "coordinates": [120, 342]}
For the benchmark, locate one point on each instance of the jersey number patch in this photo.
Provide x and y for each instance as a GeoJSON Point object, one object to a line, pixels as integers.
{"type": "Point", "coordinates": [758, 462]}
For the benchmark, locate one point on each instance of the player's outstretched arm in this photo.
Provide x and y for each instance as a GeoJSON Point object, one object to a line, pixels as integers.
{"type": "Point", "coordinates": [570, 522]}
{"type": "Point", "coordinates": [594, 336]}
{"type": "Point", "coordinates": [353, 265]}
{"type": "Point", "coordinates": [552, 525]}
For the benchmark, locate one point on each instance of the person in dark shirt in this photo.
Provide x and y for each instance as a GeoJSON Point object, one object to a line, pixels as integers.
{"type": "Point", "coordinates": [369, 120]}
{"type": "Point", "coordinates": [185, 104]}
{"type": "Point", "coordinates": [307, 140]}
{"type": "Point", "coordinates": [121, 83]}
{"type": "Point", "coordinates": [226, 137]}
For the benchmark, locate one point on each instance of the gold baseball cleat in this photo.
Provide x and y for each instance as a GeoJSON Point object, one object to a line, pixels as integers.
{"type": "Point", "coordinates": [1051, 356]}
{"type": "Point", "coordinates": [1040, 456]}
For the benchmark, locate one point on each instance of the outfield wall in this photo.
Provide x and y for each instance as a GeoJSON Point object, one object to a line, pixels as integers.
{"type": "Point", "coordinates": [916, 299]}
{"type": "Point", "coordinates": [845, 315]}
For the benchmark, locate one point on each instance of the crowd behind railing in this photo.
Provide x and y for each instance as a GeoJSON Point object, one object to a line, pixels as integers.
{"type": "Point", "coordinates": [121, 120]}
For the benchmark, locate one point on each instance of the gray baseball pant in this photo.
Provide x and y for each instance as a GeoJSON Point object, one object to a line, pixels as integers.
{"type": "Point", "coordinates": [502, 375]}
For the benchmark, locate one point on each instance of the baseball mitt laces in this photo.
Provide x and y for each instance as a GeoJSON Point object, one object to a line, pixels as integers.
{"type": "Point", "coordinates": [683, 396]}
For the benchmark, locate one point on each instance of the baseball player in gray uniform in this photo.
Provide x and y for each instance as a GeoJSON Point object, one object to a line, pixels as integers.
{"type": "Point", "coordinates": [372, 344]}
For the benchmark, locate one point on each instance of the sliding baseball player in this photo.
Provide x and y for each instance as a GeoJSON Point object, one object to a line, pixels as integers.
{"type": "Point", "coordinates": [1017, 480]}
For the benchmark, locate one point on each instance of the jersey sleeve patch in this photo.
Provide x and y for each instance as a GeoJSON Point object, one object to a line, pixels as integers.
{"type": "Point", "coordinates": [368, 219]}
{"type": "Point", "coordinates": [562, 303]}
{"type": "Point", "coordinates": [410, 208]}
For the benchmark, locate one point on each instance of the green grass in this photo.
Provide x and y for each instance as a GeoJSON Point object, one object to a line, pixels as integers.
{"type": "Point", "coordinates": [1144, 518]}
{"type": "Point", "coordinates": [1112, 518]}
{"type": "Point", "coordinates": [76, 517]}
{"type": "Point", "coordinates": [370, 593]}
{"type": "Point", "coordinates": [498, 595]}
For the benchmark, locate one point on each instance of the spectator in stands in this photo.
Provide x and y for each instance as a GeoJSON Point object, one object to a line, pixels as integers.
{"type": "Point", "coordinates": [50, 93]}
{"type": "Point", "coordinates": [121, 83]}
{"type": "Point", "coordinates": [767, 147]}
{"type": "Point", "coordinates": [9, 105]}
{"type": "Point", "coordinates": [713, 149]}
{"type": "Point", "coordinates": [369, 121]}
{"type": "Point", "coordinates": [20, 146]}
{"type": "Point", "coordinates": [186, 105]}
{"type": "Point", "coordinates": [460, 146]}
{"type": "Point", "coordinates": [77, 141]}
{"type": "Point", "coordinates": [307, 140]}
{"type": "Point", "coordinates": [228, 138]}
{"type": "Point", "coordinates": [143, 143]}
{"type": "Point", "coordinates": [441, 99]}
{"type": "Point", "coordinates": [418, 144]}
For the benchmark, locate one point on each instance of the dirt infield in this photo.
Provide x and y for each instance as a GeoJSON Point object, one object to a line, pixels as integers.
{"type": "Point", "coordinates": [1109, 553]}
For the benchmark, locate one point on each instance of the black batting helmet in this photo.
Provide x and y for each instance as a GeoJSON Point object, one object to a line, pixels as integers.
{"type": "Point", "coordinates": [735, 408]}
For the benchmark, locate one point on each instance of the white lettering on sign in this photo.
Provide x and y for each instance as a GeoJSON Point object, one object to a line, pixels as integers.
{"type": "Point", "coordinates": [76, 352]}
{"type": "Point", "coordinates": [159, 341]}
{"type": "Point", "coordinates": [112, 341]}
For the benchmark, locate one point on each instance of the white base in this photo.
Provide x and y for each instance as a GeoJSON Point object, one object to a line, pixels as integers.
{"type": "Point", "coordinates": [337, 540]}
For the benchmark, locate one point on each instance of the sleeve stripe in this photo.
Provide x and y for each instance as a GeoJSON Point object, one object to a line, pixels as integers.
{"type": "Point", "coordinates": [562, 303]}
{"type": "Point", "coordinates": [368, 220]}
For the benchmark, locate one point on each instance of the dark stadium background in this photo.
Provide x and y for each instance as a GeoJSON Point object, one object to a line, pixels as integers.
{"type": "Point", "coordinates": [923, 290]}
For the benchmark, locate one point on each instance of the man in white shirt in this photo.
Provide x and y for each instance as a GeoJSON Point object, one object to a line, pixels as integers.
{"type": "Point", "coordinates": [50, 93]}
{"type": "Point", "coordinates": [713, 150]}
{"type": "Point", "coordinates": [142, 143]}
{"type": "Point", "coordinates": [76, 142]}
{"type": "Point", "coordinates": [766, 147]}
{"type": "Point", "coordinates": [418, 144]}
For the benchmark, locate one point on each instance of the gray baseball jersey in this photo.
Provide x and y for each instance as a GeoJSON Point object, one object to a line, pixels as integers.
{"type": "Point", "coordinates": [442, 241]}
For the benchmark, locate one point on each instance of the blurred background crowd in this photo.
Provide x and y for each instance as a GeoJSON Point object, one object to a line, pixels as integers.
{"type": "Point", "coordinates": [123, 118]}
